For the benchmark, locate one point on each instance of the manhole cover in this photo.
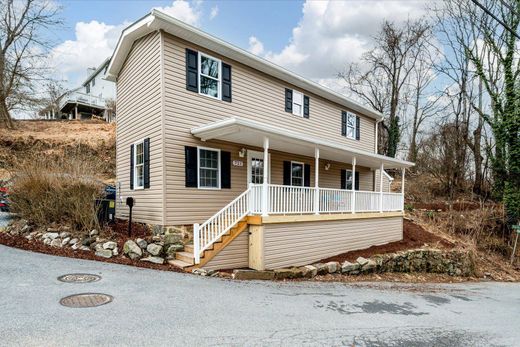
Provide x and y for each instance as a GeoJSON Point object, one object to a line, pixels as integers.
{"type": "Point", "coordinates": [79, 278]}
{"type": "Point", "coordinates": [86, 300]}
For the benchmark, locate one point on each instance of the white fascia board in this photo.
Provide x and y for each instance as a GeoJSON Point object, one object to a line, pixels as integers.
{"type": "Point", "coordinates": [213, 130]}
{"type": "Point", "coordinates": [158, 20]}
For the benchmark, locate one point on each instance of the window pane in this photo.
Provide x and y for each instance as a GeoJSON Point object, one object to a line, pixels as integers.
{"type": "Point", "coordinates": [349, 179]}
{"type": "Point", "coordinates": [139, 176]}
{"type": "Point", "coordinates": [297, 109]}
{"type": "Point", "coordinates": [296, 174]}
{"type": "Point", "coordinates": [208, 168]}
{"type": "Point", "coordinates": [209, 86]}
{"type": "Point", "coordinates": [257, 171]}
{"type": "Point", "coordinates": [209, 66]}
{"type": "Point", "coordinates": [351, 132]}
{"type": "Point", "coordinates": [139, 154]}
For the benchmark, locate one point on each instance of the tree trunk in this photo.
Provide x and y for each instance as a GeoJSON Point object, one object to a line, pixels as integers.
{"type": "Point", "coordinates": [5, 117]}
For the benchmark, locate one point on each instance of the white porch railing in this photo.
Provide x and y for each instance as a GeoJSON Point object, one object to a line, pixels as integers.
{"type": "Point", "coordinates": [289, 200]}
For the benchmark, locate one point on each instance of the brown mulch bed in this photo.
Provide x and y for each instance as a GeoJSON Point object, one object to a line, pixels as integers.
{"type": "Point", "coordinates": [39, 247]}
{"type": "Point", "coordinates": [414, 236]}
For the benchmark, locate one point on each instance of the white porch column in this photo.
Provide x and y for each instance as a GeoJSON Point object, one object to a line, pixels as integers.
{"type": "Point", "coordinates": [402, 187]}
{"type": "Point", "coordinates": [316, 180]}
{"type": "Point", "coordinates": [265, 187]}
{"type": "Point", "coordinates": [381, 187]}
{"type": "Point", "coordinates": [353, 195]}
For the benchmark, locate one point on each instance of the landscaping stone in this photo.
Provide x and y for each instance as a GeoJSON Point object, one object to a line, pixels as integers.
{"type": "Point", "coordinates": [242, 274]}
{"type": "Point", "coordinates": [369, 266]}
{"type": "Point", "coordinates": [309, 271]}
{"type": "Point", "coordinates": [154, 249]}
{"type": "Point", "coordinates": [65, 241]}
{"type": "Point", "coordinates": [322, 269]}
{"type": "Point", "coordinates": [104, 253]}
{"type": "Point", "coordinates": [110, 245]}
{"type": "Point", "coordinates": [362, 261]}
{"type": "Point", "coordinates": [26, 228]}
{"type": "Point", "coordinates": [84, 248]}
{"type": "Point", "coordinates": [155, 260]}
{"type": "Point", "coordinates": [74, 246]}
{"type": "Point", "coordinates": [56, 243]}
{"type": "Point", "coordinates": [73, 241]}
{"type": "Point", "coordinates": [132, 250]}
{"type": "Point", "coordinates": [64, 234]}
{"type": "Point", "coordinates": [52, 230]}
{"type": "Point", "coordinates": [141, 243]}
{"type": "Point", "coordinates": [350, 268]}
{"type": "Point", "coordinates": [115, 252]}
{"type": "Point", "coordinates": [47, 241]}
{"type": "Point", "coordinates": [88, 241]}
{"type": "Point", "coordinates": [50, 235]}
{"type": "Point", "coordinates": [332, 266]}
{"type": "Point", "coordinates": [282, 274]}
{"type": "Point", "coordinates": [170, 239]}
{"type": "Point", "coordinates": [93, 233]}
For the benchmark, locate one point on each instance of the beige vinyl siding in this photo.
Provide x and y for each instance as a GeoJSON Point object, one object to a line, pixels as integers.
{"type": "Point", "coordinates": [386, 182]}
{"type": "Point", "coordinates": [255, 96]}
{"type": "Point", "coordinates": [139, 117]}
{"type": "Point", "coordinates": [234, 256]}
{"type": "Point", "coordinates": [296, 244]}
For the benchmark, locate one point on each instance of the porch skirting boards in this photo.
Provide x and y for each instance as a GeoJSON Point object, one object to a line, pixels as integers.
{"type": "Point", "coordinates": [284, 241]}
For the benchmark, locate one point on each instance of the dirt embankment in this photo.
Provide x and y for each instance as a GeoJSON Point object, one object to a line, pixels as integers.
{"type": "Point", "coordinates": [59, 139]}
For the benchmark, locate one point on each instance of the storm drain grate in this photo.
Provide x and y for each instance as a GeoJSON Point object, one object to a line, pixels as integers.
{"type": "Point", "coordinates": [79, 278]}
{"type": "Point", "coordinates": [86, 300]}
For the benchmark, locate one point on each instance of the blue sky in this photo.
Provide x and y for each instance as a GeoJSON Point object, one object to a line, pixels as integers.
{"type": "Point", "coordinates": [313, 38]}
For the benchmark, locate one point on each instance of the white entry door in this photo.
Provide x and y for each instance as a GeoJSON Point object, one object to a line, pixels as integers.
{"type": "Point", "coordinates": [255, 167]}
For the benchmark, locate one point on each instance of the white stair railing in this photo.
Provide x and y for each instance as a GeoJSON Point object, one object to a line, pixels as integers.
{"type": "Point", "coordinates": [207, 233]}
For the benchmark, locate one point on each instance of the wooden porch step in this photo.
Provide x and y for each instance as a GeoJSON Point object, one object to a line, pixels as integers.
{"type": "Point", "coordinates": [188, 248]}
{"type": "Point", "coordinates": [186, 257]}
{"type": "Point", "coordinates": [179, 263]}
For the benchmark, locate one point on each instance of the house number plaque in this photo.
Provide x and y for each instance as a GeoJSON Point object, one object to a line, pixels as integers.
{"type": "Point", "coordinates": [238, 163]}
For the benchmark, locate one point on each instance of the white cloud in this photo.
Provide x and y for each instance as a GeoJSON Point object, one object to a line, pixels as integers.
{"type": "Point", "coordinates": [255, 46]}
{"type": "Point", "coordinates": [214, 12]}
{"type": "Point", "coordinates": [333, 33]}
{"type": "Point", "coordinates": [185, 11]}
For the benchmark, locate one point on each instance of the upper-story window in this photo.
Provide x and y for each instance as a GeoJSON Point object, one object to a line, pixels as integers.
{"type": "Point", "coordinates": [209, 75]}
{"type": "Point", "coordinates": [87, 88]}
{"type": "Point", "coordinates": [297, 103]}
{"type": "Point", "coordinates": [93, 82]}
{"type": "Point", "coordinates": [350, 125]}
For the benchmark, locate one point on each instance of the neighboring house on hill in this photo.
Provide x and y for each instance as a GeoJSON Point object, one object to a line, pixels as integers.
{"type": "Point", "coordinates": [213, 136]}
{"type": "Point", "coordinates": [95, 98]}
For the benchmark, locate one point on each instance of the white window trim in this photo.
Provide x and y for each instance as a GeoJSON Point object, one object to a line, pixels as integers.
{"type": "Point", "coordinates": [199, 73]}
{"type": "Point", "coordinates": [250, 154]}
{"type": "Point", "coordinates": [303, 173]}
{"type": "Point", "coordinates": [218, 168]}
{"type": "Point", "coordinates": [137, 187]}
{"type": "Point", "coordinates": [350, 114]}
{"type": "Point", "coordinates": [293, 103]}
{"type": "Point", "coordinates": [346, 181]}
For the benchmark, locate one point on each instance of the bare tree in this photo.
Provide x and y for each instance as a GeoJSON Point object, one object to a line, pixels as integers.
{"type": "Point", "coordinates": [383, 75]}
{"type": "Point", "coordinates": [22, 51]}
{"type": "Point", "coordinates": [54, 90]}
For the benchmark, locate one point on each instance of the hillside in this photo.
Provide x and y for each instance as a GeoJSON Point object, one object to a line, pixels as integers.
{"type": "Point", "coordinates": [92, 140]}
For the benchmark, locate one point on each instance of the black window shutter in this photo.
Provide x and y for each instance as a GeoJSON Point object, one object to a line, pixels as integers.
{"type": "Point", "coordinates": [225, 169]}
{"type": "Point", "coordinates": [306, 106]}
{"type": "Point", "coordinates": [306, 175]}
{"type": "Point", "coordinates": [343, 179]}
{"type": "Point", "coordinates": [288, 100]}
{"type": "Point", "coordinates": [146, 148]}
{"type": "Point", "coordinates": [190, 166]}
{"type": "Point", "coordinates": [356, 180]}
{"type": "Point", "coordinates": [343, 123]}
{"type": "Point", "coordinates": [358, 128]}
{"type": "Point", "coordinates": [131, 166]}
{"type": "Point", "coordinates": [192, 70]}
{"type": "Point", "coordinates": [226, 82]}
{"type": "Point", "coordinates": [287, 173]}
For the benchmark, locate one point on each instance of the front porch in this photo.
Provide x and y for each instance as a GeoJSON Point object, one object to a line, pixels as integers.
{"type": "Point", "coordinates": [295, 200]}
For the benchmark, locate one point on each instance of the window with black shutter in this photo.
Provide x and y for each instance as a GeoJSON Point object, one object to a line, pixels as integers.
{"type": "Point", "coordinates": [192, 70]}
{"type": "Point", "coordinates": [288, 100]}
{"type": "Point", "coordinates": [146, 163]}
{"type": "Point", "coordinates": [139, 165]}
{"type": "Point", "coordinates": [190, 166]}
{"type": "Point", "coordinates": [306, 106]}
{"type": "Point", "coordinates": [346, 179]}
{"type": "Point", "coordinates": [226, 82]}
{"type": "Point", "coordinates": [350, 125]}
{"type": "Point", "coordinates": [225, 169]}
{"type": "Point", "coordinates": [132, 166]}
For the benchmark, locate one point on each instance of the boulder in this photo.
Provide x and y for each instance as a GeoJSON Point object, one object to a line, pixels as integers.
{"type": "Point", "coordinates": [51, 236]}
{"type": "Point", "coordinates": [93, 233]}
{"type": "Point", "coordinates": [332, 266]}
{"type": "Point", "coordinates": [52, 230]}
{"type": "Point", "coordinates": [84, 248]}
{"type": "Point", "coordinates": [155, 260]}
{"type": "Point", "coordinates": [132, 250]}
{"type": "Point", "coordinates": [104, 253]}
{"type": "Point", "coordinates": [282, 274]}
{"type": "Point", "coordinates": [97, 246]}
{"type": "Point", "coordinates": [47, 241]}
{"type": "Point", "coordinates": [369, 266]}
{"type": "Point", "coordinates": [65, 234]}
{"type": "Point", "coordinates": [73, 241]}
{"type": "Point", "coordinates": [253, 275]}
{"type": "Point", "coordinates": [110, 245]}
{"type": "Point", "coordinates": [88, 241]}
{"type": "Point", "coordinates": [172, 249]}
{"type": "Point", "coordinates": [154, 249]}
{"type": "Point", "coordinates": [141, 243]}
{"type": "Point", "coordinates": [321, 268]}
{"type": "Point", "coordinates": [65, 241]}
{"type": "Point", "coordinates": [26, 228]}
{"type": "Point", "coordinates": [74, 246]}
{"type": "Point", "coordinates": [350, 268]}
{"type": "Point", "coordinates": [115, 252]}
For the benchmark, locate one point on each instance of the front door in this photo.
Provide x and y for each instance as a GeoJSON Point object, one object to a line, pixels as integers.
{"type": "Point", "coordinates": [255, 167]}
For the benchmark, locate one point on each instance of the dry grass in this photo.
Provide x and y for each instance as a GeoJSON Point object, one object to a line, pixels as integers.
{"type": "Point", "coordinates": [60, 191]}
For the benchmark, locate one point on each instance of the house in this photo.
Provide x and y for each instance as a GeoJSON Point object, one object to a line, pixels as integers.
{"type": "Point", "coordinates": [94, 98]}
{"type": "Point", "coordinates": [269, 168]}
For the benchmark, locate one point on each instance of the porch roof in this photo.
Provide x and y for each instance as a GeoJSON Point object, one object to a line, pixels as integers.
{"type": "Point", "coordinates": [252, 133]}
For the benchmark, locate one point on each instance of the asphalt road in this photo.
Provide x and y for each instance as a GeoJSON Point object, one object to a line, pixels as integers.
{"type": "Point", "coordinates": [155, 308]}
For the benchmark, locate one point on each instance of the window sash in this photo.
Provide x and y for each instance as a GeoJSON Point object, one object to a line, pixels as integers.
{"type": "Point", "coordinates": [217, 79]}
{"type": "Point", "coordinates": [297, 180]}
{"type": "Point", "coordinates": [297, 106]}
{"type": "Point", "coordinates": [351, 125]}
{"type": "Point", "coordinates": [348, 179]}
{"type": "Point", "coordinates": [209, 169]}
{"type": "Point", "coordinates": [139, 165]}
